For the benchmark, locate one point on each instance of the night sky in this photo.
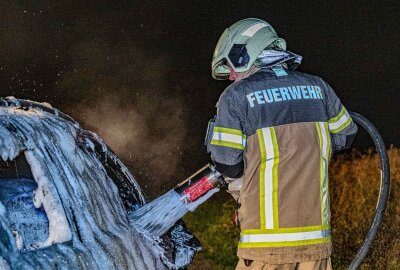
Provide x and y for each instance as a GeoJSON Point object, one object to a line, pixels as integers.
{"type": "Point", "coordinates": [138, 72]}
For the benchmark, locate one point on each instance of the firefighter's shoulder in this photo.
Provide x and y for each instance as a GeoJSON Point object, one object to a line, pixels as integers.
{"type": "Point", "coordinates": [233, 91]}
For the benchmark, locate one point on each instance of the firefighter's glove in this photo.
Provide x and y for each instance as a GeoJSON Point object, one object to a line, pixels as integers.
{"type": "Point", "coordinates": [193, 205]}
{"type": "Point", "coordinates": [234, 186]}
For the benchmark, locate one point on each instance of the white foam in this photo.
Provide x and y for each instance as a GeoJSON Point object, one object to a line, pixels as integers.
{"type": "Point", "coordinates": [45, 195]}
{"type": "Point", "coordinates": [81, 201]}
{"type": "Point", "coordinates": [2, 209]}
{"type": "Point", "coordinates": [4, 265]}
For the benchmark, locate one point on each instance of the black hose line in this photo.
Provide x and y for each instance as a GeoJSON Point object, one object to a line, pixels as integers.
{"type": "Point", "coordinates": [383, 192]}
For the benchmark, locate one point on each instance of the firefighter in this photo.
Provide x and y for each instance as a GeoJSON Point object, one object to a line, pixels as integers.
{"type": "Point", "coordinates": [277, 129]}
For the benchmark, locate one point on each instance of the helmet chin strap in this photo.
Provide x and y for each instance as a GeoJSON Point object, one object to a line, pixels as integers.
{"type": "Point", "coordinates": [232, 74]}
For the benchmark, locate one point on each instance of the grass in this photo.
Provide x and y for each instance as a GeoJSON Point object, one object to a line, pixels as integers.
{"type": "Point", "coordinates": [354, 188]}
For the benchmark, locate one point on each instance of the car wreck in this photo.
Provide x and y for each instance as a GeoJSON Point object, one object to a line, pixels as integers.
{"type": "Point", "coordinates": [65, 199]}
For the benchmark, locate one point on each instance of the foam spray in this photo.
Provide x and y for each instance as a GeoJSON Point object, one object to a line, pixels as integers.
{"type": "Point", "coordinates": [156, 217]}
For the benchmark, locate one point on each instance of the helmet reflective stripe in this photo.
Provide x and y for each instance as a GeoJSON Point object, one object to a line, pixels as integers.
{"type": "Point", "coordinates": [240, 45]}
{"type": "Point", "coordinates": [253, 29]}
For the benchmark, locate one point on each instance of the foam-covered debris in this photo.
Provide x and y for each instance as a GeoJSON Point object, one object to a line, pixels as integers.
{"type": "Point", "coordinates": [86, 215]}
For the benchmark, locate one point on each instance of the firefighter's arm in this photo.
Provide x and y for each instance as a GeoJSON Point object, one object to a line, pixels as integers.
{"type": "Point", "coordinates": [226, 139]}
{"type": "Point", "coordinates": [341, 126]}
{"type": "Point", "coordinates": [230, 171]}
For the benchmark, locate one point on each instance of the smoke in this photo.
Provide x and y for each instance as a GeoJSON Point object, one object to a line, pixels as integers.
{"type": "Point", "coordinates": [149, 140]}
{"type": "Point", "coordinates": [106, 69]}
{"type": "Point", "coordinates": [123, 97]}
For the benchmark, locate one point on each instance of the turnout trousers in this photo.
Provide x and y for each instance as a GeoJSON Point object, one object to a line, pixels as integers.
{"type": "Point", "coordinates": [324, 264]}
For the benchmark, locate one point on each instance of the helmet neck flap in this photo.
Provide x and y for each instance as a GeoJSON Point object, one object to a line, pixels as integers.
{"type": "Point", "coordinates": [269, 58]}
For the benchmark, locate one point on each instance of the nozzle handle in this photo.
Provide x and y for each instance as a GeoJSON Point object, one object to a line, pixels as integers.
{"type": "Point", "coordinates": [199, 184]}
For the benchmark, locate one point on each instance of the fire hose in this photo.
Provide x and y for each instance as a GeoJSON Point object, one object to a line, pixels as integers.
{"type": "Point", "coordinates": [383, 192]}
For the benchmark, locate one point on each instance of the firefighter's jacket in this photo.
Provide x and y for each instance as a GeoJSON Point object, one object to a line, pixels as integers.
{"type": "Point", "coordinates": [284, 125]}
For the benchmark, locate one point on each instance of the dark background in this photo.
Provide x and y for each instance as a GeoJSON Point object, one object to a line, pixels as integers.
{"type": "Point", "coordinates": [138, 72]}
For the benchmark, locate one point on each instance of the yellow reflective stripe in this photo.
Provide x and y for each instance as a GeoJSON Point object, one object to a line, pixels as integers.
{"type": "Point", "coordinates": [325, 148]}
{"type": "Point", "coordinates": [262, 177]}
{"type": "Point", "coordinates": [321, 168]}
{"type": "Point", "coordinates": [275, 178]}
{"type": "Point", "coordinates": [328, 135]}
{"type": "Point", "coordinates": [229, 131]}
{"type": "Point", "coordinates": [336, 118]}
{"type": "Point", "coordinates": [345, 125]}
{"type": "Point", "coordinates": [228, 137]}
{"type": "Point", "coordinates": [285, 244]}
{"type": "Point", "coordinates": [227, 144]}
{"type": "Point", "coordinates": [340, 122]}
{"type": "Point", "coordinates": [286, 230]}
{"type": "Point", "coordinates": [326, 182]}
{"type": "Point", "coordinates": [284, 237]}
{"type": "Point", "coordinates": [268, 178]}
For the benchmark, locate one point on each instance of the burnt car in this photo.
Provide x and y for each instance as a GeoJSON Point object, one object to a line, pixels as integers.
{"type": "Point", "coordinates": [65, 199]}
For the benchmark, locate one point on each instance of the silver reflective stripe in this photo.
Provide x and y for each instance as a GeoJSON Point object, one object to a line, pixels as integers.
{"type": "Point", "coordinates": [252, 30]}
{"type": "Point", "coordinates": [284, 237]}
{"type": "Point", "coordinates": [324, 178]}
{"type": "Point", "coordinates": [226, 137]}
{"type": "Point", "coordinates": [341, 121]}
